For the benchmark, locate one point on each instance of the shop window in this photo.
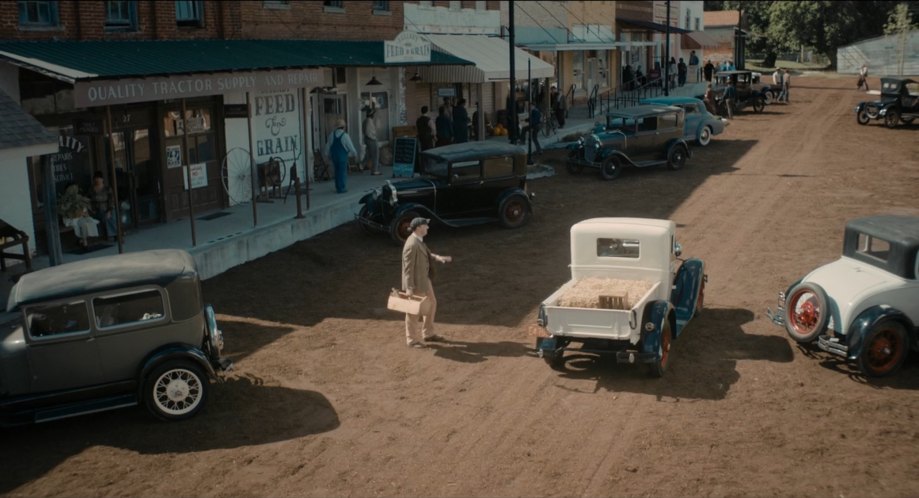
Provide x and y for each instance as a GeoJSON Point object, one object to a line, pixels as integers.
{"type": "Point", "coordinates": [35, 14]}
{"type": "Point", "coordinates": [333, 6]}
{"type": "Point", "coordinates": [190, 13]}
{"type": "Point", "coordinates": [381, 6]}
{"type": "Point", "coordinates": [276, 4]}
{"type": "Point", "coordinates": [120, 15]}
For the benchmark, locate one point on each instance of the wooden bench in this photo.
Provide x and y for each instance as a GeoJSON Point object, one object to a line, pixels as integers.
{"type": "Point", "coordinates": [11, 237]}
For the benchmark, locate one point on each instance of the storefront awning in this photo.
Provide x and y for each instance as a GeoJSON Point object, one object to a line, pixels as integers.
{"type": "Point", "coordinates": [700, 39]}
{"type": "Point", "coordinates": [118, 72]}
{"type": "Point", "coordinates": [491, 57]}
{"type": "Point", "coordinates": [648, 25]}
{"type": "Point", "coordinates": [19, 129]}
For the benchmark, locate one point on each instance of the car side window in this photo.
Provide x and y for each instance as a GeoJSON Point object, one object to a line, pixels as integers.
{"type": "Point", "coordinates": [499, 167]}
{"type": "Point", "coordinates": [691, 108]}
{"type": "Point", "coordinates": [465, 171]}
{"type": "Point", "coordinates": [873, 246]}
{"type": "Point", "coordinates": [55, 320]}
{"type": "Point", "coordinates": [667, 120]}
{"type": "Point", "coordinates": [128, 308]}
{"type": "Point", "coordinates": [648, 123]}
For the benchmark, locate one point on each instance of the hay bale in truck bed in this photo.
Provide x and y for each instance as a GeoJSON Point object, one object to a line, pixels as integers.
{"type": "Point", "coordinates": [585, 293]}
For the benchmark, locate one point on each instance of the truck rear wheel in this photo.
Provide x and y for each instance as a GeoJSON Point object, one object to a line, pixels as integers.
{"type": "Point", "coordinates": [659, 366]}
{"type": "Point", "coordinates": [554, 359]}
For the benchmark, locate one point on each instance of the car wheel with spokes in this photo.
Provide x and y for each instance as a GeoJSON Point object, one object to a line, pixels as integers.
{"type": "Point", "coordinates": [862, 117]}
{"type": "Point", "coordinates": [572, 165]}
{"type": "Point", "coordinates": [806, 313]}
{"type": "Point", "coordinates": [758, 104]}
{"type": "Point", "coordinates": [677, 157]}
{"type": "Point", "coordinates": [401, 227]}
{"type": "Point", "coordinates": [611, 168]}
{"type": "Point", "coordinates": [175, 390]}
{"type": "Point", "coordinates": [892, 118]}
{"type": "Point", "coordinates": [705, 136]}
{"type": "Point", "coordinates": [885, 349]}
{"type": "Point", "coordinates": [365, 215]}
{"type": "Point", "coordinates": [514, 211]}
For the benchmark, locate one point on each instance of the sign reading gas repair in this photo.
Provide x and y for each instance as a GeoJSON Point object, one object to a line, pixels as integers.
{"type": "Point", "coordinates": [126, 91]}
{"type": "Point", "coordinates": [407, 47]}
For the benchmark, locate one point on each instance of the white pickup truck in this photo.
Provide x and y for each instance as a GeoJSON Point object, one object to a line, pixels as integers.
{"type": "Point", "coordinates": [629, 295]}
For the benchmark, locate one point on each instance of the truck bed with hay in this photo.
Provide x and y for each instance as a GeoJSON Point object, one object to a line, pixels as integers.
{"type": "Point", "coordinates": [629, 294]}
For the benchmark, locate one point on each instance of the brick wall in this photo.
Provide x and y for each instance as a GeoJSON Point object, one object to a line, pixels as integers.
{"type": "Point", "coordinates": [311, 20]}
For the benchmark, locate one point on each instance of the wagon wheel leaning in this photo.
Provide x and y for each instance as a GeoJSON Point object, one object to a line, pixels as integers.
{"type": "Point", "coordinates": [236, 175]}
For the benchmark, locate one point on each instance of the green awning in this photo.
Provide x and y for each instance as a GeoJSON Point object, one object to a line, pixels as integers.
{"type": "Point", "coordinates": [83, 60]}
{"type": "Point", "coordinates": [118, 72]}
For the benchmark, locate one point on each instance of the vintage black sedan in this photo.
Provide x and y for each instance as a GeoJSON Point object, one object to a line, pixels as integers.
{"type": "Point", "coordinates": [899, 102]}
{"type": "Point", "coordinates": [458, 185]}
{"type": "Point", "coordinates": [106, 333]}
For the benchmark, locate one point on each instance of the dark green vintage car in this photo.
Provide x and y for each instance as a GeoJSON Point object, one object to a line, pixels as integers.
{"type": "Point", "coordinates": [458, 185]}
{"type": "Point", "coordinates": [640, 136]}
{"type": "Point", "coordinates": [106, 333]}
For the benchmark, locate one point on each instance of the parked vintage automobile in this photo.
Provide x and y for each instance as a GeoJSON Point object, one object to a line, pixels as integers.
{"type": "Point", "coordinates": [864, 306]}
{"type": "Point", "coordinates": [105, 333]}
{"type": "Point", "coordinates": [629, 294]}
{"type": "Point", "coordinates": [640, 136]}
{"type": "Point", "coordinates": [740, 87]}
{"type": "Point", "coordinates": [899, 102]}
{"type": "Point", "coordinates": [459, 185]}
{"type": "Point", "coordinates": [699, 125]}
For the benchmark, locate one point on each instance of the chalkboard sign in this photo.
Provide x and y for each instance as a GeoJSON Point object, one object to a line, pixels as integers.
{"type": "Point", "coordinates": [403, 162]}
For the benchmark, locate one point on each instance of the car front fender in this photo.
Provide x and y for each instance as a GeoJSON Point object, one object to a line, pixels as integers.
{"type": "Point", "coordinates": [176, 352]}
{"type": "Point", "coordinates": [422, 210]}
{"type": "Point", "coordinates": [866, 320]}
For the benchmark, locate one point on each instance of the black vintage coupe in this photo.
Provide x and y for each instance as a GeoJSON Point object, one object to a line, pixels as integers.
{"type": "Point", "coordinates": [899, 102]}
{"type": "Point", "coordinates": [458, 185]}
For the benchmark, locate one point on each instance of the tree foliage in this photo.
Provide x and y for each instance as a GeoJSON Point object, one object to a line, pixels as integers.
{"type": "Point", "coordinates": [824, 25]}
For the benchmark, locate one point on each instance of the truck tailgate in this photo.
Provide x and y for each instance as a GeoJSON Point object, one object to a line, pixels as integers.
{"type": "Point", "coordinates": [594, 322]}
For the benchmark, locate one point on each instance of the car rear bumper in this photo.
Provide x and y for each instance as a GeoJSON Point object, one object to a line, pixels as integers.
{"type": "Point", "coordinates": [832, 344]}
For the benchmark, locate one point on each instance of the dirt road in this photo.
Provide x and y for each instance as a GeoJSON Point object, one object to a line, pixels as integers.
{"type": "Point", "coordinates": [326, 400]}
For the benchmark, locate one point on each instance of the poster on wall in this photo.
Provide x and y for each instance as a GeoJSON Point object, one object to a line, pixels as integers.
{"type": "Point", "coordinates": [277, 128]}
{"type": "Point", "coordinates": [198, 175]}
{"type": "Point", "coordinates": [173, 156]}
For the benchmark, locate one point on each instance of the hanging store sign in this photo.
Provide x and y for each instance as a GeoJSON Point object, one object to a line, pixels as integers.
{"type": "Point", "coordinates": [407, 47]}
{"type": "Point", "coordinates": [130, 90]}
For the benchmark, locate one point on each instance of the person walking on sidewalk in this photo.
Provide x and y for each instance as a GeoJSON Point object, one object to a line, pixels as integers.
{"type": "Point", "coordinates": [863, 77]}
{"type": "Point", "coordinates": [370, 138]}
{"type": "Point", "coordinates": [460, 122]}
{"type": "Point", "coordinates": [417, 261]}
{"type": "Point", "coordinates": [338, 148]}
{"type": "Point", "coordinates": [535, 121]}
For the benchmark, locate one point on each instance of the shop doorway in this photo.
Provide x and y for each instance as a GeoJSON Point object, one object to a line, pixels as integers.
{"type": "Point", "coordinates": [331, 108]}
{"type": "Point", "coordinates": [138, 177]}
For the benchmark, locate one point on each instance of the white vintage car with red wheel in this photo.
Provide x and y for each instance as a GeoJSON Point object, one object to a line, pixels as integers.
{"type": "Point", "coordinates": [865, 305]}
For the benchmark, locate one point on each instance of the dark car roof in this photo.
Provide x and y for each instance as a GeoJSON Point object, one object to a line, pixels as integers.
{"type": "Point", "coordinates": [896, 80]}
{"type": "Point", "coordinates": [737, 71]}
{"type": "Point", "coordinates": [671, 100]}
{"type": "Point", "coordinates": [897, 229]}
{"type": "Point", "coordinates": [642, 110]}
{"type": "Point", "coordinates": [469, 151]}
{"type": "Point", "coordinates": [160, 266]}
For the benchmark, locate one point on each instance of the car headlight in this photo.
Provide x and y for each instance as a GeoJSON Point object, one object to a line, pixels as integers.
{"type": "Point", "coordinates": [883, 112]}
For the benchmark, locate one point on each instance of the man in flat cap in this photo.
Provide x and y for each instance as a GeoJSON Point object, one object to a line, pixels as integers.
{"type": "Point", "coordinates": [416, 279]}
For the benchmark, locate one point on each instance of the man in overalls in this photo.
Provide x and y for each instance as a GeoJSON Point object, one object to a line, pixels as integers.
{"type": "Point", "coordinates": [337, 149]}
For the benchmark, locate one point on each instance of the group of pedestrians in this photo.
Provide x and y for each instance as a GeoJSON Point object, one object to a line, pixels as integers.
{"type": "Point", "coordinates": [781, 78]}
{"type": "Point", "coordinates": [451, 126]}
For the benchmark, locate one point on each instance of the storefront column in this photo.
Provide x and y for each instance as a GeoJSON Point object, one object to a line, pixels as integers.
{"type": "Point", "coordinates": [116, 212]}
{"type": "Point", "coordinates": [191, 205]}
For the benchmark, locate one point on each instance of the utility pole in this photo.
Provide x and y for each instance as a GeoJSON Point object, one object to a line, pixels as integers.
{"type": "Point", "coordinates": [512, 96]}
{"type": "Point", "coordinates": [667, 53]}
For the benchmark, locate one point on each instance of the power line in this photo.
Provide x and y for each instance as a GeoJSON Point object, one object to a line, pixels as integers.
{"type": "Point", "coordinates": [543, 28]}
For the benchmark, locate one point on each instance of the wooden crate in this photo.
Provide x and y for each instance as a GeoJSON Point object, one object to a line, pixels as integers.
{"type": "Point", "coordinates": [614, 302]}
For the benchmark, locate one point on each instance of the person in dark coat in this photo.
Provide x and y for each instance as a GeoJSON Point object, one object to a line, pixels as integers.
{"type": "Point", "coordinates": [425, 129]}
{"type": "Point", "coordinates": [460, 123]}
{"type": "Point", "coordinates": [708, 70]}
{"type": "Point", "coordinates": [444, 127]}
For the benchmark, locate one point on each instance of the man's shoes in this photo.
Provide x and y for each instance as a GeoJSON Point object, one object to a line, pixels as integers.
{"type": "Point", "coordinates": [433, 338]}
{"type": "Point", "coordinates": [376, 173]}
{"type": "Point", "coordinates": [414, 344]}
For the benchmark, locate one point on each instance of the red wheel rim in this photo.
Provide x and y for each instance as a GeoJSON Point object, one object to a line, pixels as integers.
{"type": "Point", "coordinates": [805, 316]}
{"type": "Point", "coordinates": [513, 211]}
{"type": "Point", "coordinates": [884, 351]}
